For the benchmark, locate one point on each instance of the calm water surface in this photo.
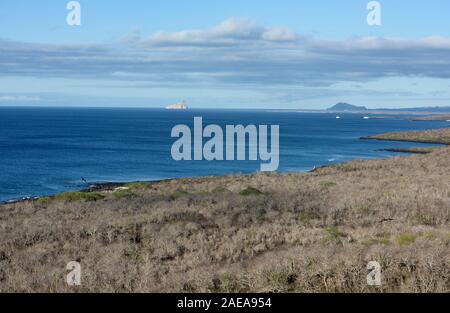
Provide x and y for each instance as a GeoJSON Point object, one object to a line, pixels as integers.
{"type": "Point", "coordinates": [47, 150]}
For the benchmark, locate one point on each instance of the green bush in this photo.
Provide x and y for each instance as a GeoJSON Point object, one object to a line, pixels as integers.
{"type": "Point", "coordinates": [78, 196]}
{"type": "Point", "coordinates": [220, 189]}
{"type": "Point", "coordinates": [250, 191]}
{"type": "Point", "coordinates": [178, 193]}
{"type": "Point", "coordinates": [405, 239]}
{"type": "Point", "coordinates": [124, 193]}
{"type": "Point", "coordinates": [43, 200]}
{"type": "Point", "coordinates": [333, 233]}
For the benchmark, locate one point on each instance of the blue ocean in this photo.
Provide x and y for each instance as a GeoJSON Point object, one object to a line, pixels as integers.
{"type": "Point", "coordinates": [44, 151]}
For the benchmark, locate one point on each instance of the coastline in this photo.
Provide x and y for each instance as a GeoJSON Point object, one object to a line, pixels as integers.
{"type": "Point", "coordinates": [265, 232]}
{"type": "Point", "coordinates": [440, 136]}
{"type": "Point", "coordinates": [407, 136]}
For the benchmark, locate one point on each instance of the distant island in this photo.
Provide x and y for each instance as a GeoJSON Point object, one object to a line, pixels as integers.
{"type": "Point", "coordinates": [342, 106]}
{"type": "Point", "coordinates": [420, 110]}
{"type": "Point", "coordinates": [346, 107]}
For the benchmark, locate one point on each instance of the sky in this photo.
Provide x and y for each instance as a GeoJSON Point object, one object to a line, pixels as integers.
{"type": "Point", "coordinates": [284, 54]}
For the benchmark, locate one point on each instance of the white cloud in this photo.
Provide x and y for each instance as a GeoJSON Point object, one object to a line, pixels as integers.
{"type": "Point", "coordinates": [19, 99]}
{"type": "Point", "coordinates": [235, 52]}
{"type": "Point", "coordinates": [229, 32]}
{"type": "Point", "coordinates": [280, 34]}
{"type": "Point", "coordinates": [237, 28]}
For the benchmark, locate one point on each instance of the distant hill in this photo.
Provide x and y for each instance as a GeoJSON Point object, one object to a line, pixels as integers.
{"type": "Point", "coordinates": [346, 107]}
{"type": "Point", "coordinates": [421, 109]}
{"type": "Point", "coordinates": [342, 106]}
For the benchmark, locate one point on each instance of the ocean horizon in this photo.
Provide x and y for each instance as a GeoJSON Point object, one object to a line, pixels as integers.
{"type": "Point", "coordinates": [47, 150]}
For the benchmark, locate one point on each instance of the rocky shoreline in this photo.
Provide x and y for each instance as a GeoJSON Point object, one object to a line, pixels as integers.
{"type": "Point", "coordinates": [410, 150]}
{"type": "Point", "coordinates": [434, 136]}
{"type": "Point", "coordinates": [401, 137]}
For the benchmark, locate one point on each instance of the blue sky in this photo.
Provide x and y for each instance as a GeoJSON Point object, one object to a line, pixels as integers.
{"type": "Point", "coordinates": [232, 54]}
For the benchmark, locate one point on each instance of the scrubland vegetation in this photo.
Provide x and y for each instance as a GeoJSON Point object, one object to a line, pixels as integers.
{"type": "Point", "coordinates": [436, 117]}
{"type": "Point", "coordinates": [438, 136]}
{"type": "Point", "coordinates": [312, 232]}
